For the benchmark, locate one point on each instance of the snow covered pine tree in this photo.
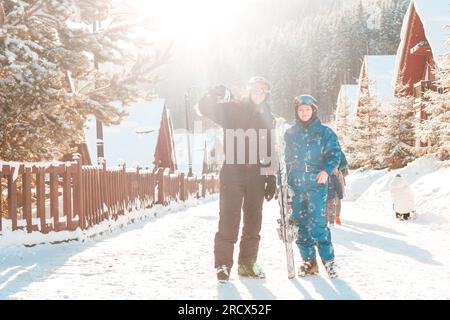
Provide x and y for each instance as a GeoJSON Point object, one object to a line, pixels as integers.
{"type": "Point", "coordinates": [435, 131]}
{"type": "Point", "coordinates": [49, 82]}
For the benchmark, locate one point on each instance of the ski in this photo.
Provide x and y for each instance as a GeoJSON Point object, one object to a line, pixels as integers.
{"type": "Point", "coordinates": [286, 230]}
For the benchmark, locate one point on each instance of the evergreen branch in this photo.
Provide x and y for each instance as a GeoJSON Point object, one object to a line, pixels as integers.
{"type": "Point", "coordinates": [34, 7]}
{"type": "Point", "coordinates": [2, 15]}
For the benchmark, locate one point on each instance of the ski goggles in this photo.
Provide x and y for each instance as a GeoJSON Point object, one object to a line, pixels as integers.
{"type": "Point", "coordinates": [305, 99]}
{"type": "Point", "coordinates": [260, 91]}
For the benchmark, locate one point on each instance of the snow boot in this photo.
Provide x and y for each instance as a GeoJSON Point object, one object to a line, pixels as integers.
{"type": "Point", "coordinates": [251, 270]}
{"type": "Point", "coordinates": [338, 220]}
{"type": "Point", "coordinates": [308, 267]}
{"type": "Point", "coordinates": [331, 268]}
{"type": "Point", "coordinates": [223, 273]}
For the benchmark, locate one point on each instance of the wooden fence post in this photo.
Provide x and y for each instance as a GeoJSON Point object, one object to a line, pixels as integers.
{"type": "Point", "coordinates": [97, 209]}
{"type": "Point", "coordinates": [125, 190]}
{"type": "Point", "coordinates": [88, 198]}
{"type": "Point", "coordinates": [182, 187]}
{"type": "Point", "coordinates": [12, 199]}
{"type": "Point", "coordinates": [40, 200]}
{"type": "Point", "coordinates": [120, 191]}
{"type": "Point", "coordinates": [161, 186]}
{"type": "Point", "coordinates": [26, 194]}
{"type": "Point", "coordinates": [136, 187]}
{"type": "Point", "coordinates": [203, 186]}
{"type": "Point", "coordinates": [67, 197]}
{"type": "Point", "coordinates": [115, 186]}
{"type": "Point", "coordinates": [104, 192]}
{"type": "Point", "coordinates": [152, 190]}
{"type": "Point", "coordinates": [54, 199]}
{"type": "Point", "coordinates": [78, 193]}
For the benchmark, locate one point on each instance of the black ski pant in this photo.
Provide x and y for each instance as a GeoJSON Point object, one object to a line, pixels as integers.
{"type": "Point", "coordinates": [241, 189]}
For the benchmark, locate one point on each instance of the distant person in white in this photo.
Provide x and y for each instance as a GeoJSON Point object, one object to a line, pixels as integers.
{"type": "Point", "coordinates": [402, 197]}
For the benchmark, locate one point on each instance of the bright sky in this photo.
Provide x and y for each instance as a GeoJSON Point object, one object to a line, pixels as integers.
{"type": "Point", "coordinates": [190, 20]}
{"type": "Point", "coordinates": [198, 30]}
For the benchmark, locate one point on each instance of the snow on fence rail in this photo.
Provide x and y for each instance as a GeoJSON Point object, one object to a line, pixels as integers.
{"type": "Point", "coordinates": [61, 196]}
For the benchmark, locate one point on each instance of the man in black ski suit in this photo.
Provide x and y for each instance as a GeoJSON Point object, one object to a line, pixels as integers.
{"type": "Point", "coordinates": [245, 178]}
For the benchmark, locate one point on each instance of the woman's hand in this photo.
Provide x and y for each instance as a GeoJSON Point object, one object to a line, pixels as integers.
{"type": "Point", "coordinates": [322, 177]}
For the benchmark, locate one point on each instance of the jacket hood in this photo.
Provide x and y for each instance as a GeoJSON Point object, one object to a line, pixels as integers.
{"type": "Point", "coordinates": [398, 182]}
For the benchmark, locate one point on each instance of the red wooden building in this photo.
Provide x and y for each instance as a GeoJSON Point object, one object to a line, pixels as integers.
{"type": "Point", "coordinates": [165, 156]}
{"type": "Point", "coordinates": [423, 41]}
{"type": "Point", "coordinates": [83, 150]}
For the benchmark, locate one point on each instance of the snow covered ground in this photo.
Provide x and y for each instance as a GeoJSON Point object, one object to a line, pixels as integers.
{"type": "Point", "coordinates": [171, 256]}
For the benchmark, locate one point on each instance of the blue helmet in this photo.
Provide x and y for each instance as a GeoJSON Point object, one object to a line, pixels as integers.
{"type": "Point", "coordinates": [306, 99]}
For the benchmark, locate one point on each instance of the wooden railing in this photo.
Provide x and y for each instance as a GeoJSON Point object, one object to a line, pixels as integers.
{"type": "Point", "coordinates": [66, 196]}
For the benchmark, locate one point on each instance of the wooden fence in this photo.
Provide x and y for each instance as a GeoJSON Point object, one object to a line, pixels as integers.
{"type": "Point", "coordinates": [64, 196]}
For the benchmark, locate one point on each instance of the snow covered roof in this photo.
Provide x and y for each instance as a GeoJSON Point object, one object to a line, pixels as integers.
{"type": "Point", "coordinates": [348, 96]}
{"type": "Point", "coordinates": [434, 16]}
{"type": "Point", "coordinates": [131, 141]}
{"type": "Point", "coordinates": [380, 73]}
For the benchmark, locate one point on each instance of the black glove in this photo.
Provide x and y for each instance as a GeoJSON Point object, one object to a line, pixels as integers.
{"type": "Point", "coordinates": [221, 93]}
{"type": "Point", "coordinates": [270, 187]}
{"type": "Point", "coordinates": [218, 91]}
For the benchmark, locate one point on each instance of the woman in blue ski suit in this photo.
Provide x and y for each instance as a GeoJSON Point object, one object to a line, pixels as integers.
{"type": "Point", "coordinates": [312, 154]}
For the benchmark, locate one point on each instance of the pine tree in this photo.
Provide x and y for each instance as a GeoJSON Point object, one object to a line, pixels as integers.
{"type": "Point", "coordinates": [48, 80]}
{"type": "Point", "coordinates": [435, 131]}
{"type": "Point", "coordinates": [398, 137]}
{"type": "Point", "coordinates": [391, 24]}
{"type": "Point", "coordinates": [366, 132]}
{"type": "Point", "coordinates": [344, 125]}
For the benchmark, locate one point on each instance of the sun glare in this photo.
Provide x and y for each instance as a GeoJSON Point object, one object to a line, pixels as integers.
{"type": "Point", "coordinates": [189, 20]}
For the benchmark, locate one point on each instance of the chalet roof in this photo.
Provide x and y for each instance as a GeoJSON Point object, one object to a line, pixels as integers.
{"type": "Point", "coordinates": [434, 16]}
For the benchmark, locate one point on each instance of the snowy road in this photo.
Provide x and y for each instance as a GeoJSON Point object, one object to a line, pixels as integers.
{"type": "Point", "coordinates": [171, 257]}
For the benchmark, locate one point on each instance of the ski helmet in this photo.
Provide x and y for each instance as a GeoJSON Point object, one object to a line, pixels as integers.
{"type": "Point", "coordinates": [306, 99]}
{"type": "Point", "coordinates": [251, 83]}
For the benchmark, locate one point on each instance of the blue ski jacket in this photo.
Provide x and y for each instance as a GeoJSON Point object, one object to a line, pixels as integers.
{"type": "Point", "coordinates": [309, 150]}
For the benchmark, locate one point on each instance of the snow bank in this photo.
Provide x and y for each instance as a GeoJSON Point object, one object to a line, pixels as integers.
{"type": "Point", "coordinates": [359, 181]}
{"type": "Point", "coordinates": [8, 238]}
{"type": "Point", "coordinates": [412, 172]}
{"type": "Point", "coordinates": [433, 197]}
{"type": "Point", "coordinates": [428, 178]}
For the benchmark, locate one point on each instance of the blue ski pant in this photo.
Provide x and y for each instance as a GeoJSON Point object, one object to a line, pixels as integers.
{"type": "Point", "coordinates": [309, 213]}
